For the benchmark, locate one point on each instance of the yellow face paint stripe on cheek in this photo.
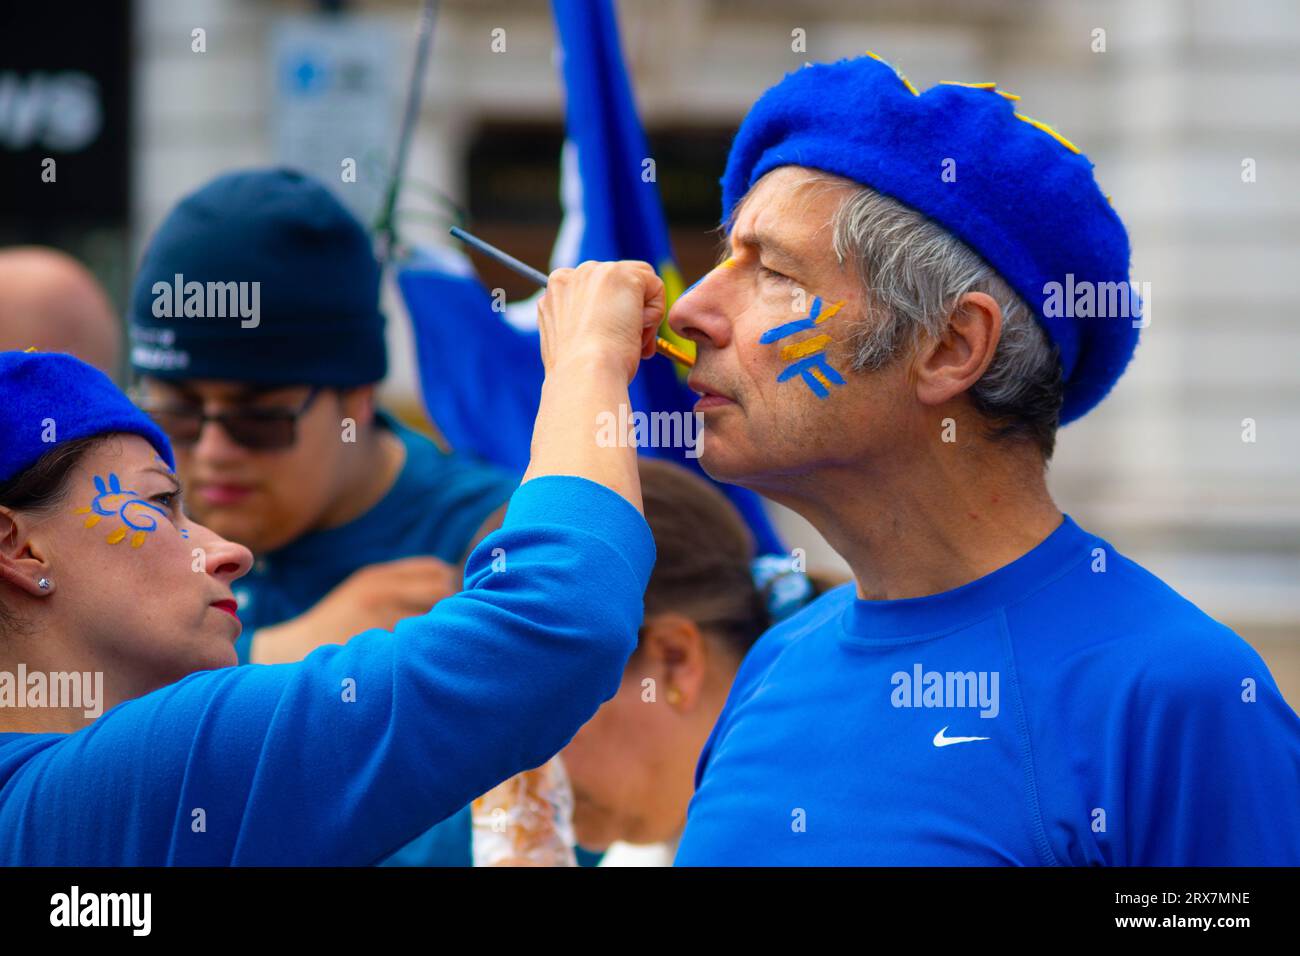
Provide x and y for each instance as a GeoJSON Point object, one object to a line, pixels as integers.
{"type": "Point", "coordinates": [817, 374]}
{"type": "Point", "coordinates": [830, 310]}
{"type": "Point", "coordinates": [791, 352]}
{"type": "Point", "coordinates": [117, 536]}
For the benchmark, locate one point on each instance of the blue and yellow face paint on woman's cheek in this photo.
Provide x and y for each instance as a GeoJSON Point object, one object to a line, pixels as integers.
{"type": "Point", "coordinates": [807, 358]}
{"type": "Point", "coordinates": [113, 501]}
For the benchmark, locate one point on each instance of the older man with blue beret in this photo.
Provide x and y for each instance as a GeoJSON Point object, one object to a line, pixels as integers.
{"type": "Point", "coordinates": [887, 350]}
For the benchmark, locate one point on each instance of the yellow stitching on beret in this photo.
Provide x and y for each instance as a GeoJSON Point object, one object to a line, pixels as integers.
{"type": "Point", "coordinates": [1048, 130]}
{"type": "Point", "coordinates": [905, 80]}
{"type": "Point", "coordinates": [992, 87]}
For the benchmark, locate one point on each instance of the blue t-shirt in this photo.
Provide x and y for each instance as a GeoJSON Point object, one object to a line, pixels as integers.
{"type": "Point", "coordinates": [345, 756]}
{"type": "Point", "coordinates": [1067, 709]}
{"type": "Point", "coordinates": [434, 507]}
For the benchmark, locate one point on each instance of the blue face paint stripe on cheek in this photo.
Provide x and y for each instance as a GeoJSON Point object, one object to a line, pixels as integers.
{"type": "Point", "coordinates": [799, 367]}
{"type": "Point", "coordinates": [805, 369]}
{"type": "Point", "coordinates": [817, 388]}
{"type": "Point", "coordinates": [781, 331]}
{"type": "Point", "coordinates": [814, 370]}
{"type": "Point", "coordinates": [830, 372]}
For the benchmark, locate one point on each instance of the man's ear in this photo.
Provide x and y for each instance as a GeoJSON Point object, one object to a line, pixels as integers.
{"type": "Point", "coordinates": [359, 404]}
{"type": "Point", "coordinates": [21, 562]}
{"type": "Point", "coordinates": [672, 649]}
{"type": "Point", "coordinates": [954, 362]}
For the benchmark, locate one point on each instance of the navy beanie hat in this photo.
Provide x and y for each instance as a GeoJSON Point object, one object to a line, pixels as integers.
{"type": "Point", "coordinates": [1010, 187]}
{"type": "Point", "coordinates": [262, 276]}
{"type": "Point", "coordinates": [48, 398]}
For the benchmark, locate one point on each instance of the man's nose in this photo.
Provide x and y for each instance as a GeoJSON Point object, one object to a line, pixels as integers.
{"type": "Point", "coordinates": [698, 313]}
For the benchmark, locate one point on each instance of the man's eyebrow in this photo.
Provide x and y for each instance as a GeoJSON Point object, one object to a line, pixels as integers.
{"type": "Point", "coordinates": [769, 244]}
{"type": "Point", "coordinates": [240, 393]}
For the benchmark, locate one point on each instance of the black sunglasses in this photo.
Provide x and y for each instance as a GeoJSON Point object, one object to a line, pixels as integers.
{"type": "Point", "coordinates": [260, 429]}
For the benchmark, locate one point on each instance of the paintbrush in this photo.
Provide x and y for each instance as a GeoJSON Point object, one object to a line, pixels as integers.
{"type": "Point", "coordinates": [662, 345]}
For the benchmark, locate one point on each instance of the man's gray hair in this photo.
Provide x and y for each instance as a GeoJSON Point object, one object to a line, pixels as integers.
{"type": "Point", "coordinates": [913, 272]}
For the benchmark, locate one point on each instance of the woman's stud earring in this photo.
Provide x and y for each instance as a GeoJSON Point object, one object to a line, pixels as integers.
{"type": "Point", "coordinates": [43, 584]}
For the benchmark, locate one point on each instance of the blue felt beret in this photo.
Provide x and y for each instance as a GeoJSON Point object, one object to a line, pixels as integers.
{"type": "Point", "coordinates": [48, 398]}
{"type": "Point", "coordinates": [317, 320]}
{"type": "Point", "coordinates": [1023, 197]}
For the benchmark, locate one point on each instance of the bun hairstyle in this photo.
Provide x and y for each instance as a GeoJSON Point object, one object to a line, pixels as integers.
{"type": "Point", "coordinates": [705, 569]}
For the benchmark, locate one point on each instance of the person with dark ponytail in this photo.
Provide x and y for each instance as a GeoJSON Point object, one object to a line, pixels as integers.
{"type": "Point", "coordinates": [632, 766]}
{"type": "Point", "coordinates": [628, 773]}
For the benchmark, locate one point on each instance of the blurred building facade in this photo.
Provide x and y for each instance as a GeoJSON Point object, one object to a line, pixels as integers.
{"type": "Point", "coordinates": [1186, 101]}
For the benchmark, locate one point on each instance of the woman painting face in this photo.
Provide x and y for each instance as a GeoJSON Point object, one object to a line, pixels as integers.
{"type": "Point", "coordinates": [139, 591]}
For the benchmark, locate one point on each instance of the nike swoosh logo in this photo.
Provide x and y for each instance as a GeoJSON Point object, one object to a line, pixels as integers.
{"type": "Point", "coordinates": [941, 741]}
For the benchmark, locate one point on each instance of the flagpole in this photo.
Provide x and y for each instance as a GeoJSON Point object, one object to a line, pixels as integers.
{"type": "Point", "coordinates": [386, 226]}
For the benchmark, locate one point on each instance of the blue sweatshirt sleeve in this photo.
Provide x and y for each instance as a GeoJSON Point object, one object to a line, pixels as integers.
{"type": "Point", "coordinates": [347, 755]}
{"type": "Point", "coordinates": [1216, 774]}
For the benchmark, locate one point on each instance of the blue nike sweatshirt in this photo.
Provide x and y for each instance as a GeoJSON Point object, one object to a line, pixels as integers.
{"type": "Point", "coordinates": [1067, 709]}
{"type": "Point", "coordinates": [349, 754]}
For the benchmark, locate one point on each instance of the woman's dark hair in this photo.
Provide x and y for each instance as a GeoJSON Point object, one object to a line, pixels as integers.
{"type": "Point", "coordinates": [704, 553]}
{"type": "Point", "coordinates": [39, 488]}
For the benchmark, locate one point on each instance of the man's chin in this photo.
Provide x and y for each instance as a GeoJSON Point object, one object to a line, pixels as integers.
{"type": "Point", "coordinates": [722, 463]}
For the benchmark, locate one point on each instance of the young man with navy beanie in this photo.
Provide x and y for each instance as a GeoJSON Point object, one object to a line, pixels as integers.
{"type": "Point", "coordinates": [920, 288]}
{"type": "Point", "coordinates": [256, 331]}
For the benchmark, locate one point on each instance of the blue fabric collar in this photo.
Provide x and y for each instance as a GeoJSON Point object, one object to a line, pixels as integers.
{"type": "Point", "coordinates": [907, 619]}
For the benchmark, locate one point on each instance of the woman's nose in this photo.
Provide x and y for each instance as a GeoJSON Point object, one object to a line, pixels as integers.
{"type": "Point", "coordinates": [227, 560]}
